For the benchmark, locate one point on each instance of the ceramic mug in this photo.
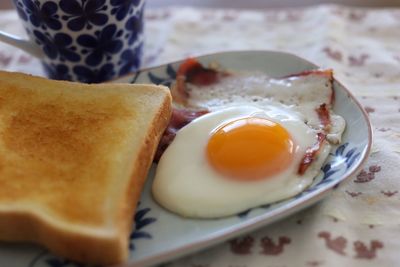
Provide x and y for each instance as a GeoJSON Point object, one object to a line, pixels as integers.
{"type": "Point", "coordinates": [82, 40]}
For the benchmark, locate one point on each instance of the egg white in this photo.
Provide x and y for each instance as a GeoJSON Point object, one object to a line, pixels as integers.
{"type": "Point", "coordinates": [185, 183]}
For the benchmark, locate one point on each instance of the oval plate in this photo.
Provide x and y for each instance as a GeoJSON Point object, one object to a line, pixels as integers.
{"type": "Point", "coordinates": [161, 235]}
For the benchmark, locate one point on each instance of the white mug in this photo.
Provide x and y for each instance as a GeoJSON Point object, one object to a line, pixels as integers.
{"type": "Point", "coordinates": [82, 40]}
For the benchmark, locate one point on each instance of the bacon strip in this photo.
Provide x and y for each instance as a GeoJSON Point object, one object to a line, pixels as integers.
{"type": "Point", "coordinates": [324, 116]}
{"type": "Point", "coordinates": [179, 92]}
{"type": "Point", "coordinates": [311, 154]}
{"type": "Point", "coordinates": [328, 73]}
{"type": "Point", "coordinates": [179, 118]}
{"type": "Point", "coordinates": [193, 72]}
{"type": "Point", "coordinates": [197, 74]}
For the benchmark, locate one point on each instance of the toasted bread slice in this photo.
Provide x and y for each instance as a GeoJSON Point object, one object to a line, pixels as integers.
{"type": "Point", "coordinates": [73, 161]}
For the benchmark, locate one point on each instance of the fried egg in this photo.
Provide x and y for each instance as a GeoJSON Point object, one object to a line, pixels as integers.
{"type": "Point", "coordinates": [236, 158]}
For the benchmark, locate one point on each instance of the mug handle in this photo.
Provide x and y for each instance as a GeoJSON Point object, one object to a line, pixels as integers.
{"type": "Point", "coordinates": [25, 45]}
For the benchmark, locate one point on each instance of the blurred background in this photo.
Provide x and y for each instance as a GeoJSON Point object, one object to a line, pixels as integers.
{"type": "Point", "coordinates": [268, 3]}
{"type": "Point", "coordinates": [253, 4]}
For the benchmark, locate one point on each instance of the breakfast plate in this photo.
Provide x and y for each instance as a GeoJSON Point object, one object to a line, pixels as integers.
{"type": "Point", "coordinates": [161, 235]}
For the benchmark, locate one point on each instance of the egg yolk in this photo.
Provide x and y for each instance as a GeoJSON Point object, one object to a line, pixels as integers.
{"type": "Point", "coordinates": [250, 149]}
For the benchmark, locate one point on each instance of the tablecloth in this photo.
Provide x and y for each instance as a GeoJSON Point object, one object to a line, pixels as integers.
{"type": "Point", "coordinates": [359, 223]}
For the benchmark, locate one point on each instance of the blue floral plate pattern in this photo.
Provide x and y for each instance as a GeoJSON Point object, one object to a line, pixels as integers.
{"type": "Point", "coordinates": [161, 235]}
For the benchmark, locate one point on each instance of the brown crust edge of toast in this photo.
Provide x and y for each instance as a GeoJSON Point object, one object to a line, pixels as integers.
{"type": "Point", "coordinates": [141, 168]}
{"type": "Point", "coordinates": [110, 248]}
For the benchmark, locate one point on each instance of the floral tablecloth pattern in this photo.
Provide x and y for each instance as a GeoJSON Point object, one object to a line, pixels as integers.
{"type": "Point", "coordinates": [359, 223]}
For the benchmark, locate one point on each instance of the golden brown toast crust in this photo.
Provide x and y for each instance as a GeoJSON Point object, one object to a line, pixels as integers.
{"type": "Point", "coordinates": [141, 168]}
{"type": "Point", "coordinates": [73, 162]}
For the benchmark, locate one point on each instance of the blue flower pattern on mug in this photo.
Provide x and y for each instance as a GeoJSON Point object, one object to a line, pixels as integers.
{"type": "Point", "coordinates": [129, 60]}
{"type": "Point", "coordinates": [84, 13]}
{"type": "Point", "coordinates": [20, 10]}
{"type": "Point", "coordinates": [134, 26]}
{"type": "Point", "coordinates": [103, 44]}
{"type": "Point", "coordinates": [58, 71]}
{"type": "Point", "coordinates": [44, 16]}
{"type": "Point", "coordinates": [103, 40]}
{"type": "Point", "coordinates": [90, 75]}
{"type": "Point", "coordinates": [121, 8]}
{"type": "Point", "coordinates": [60, 45]}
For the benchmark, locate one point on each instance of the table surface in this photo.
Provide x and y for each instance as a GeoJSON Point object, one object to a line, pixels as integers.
{"type": "Point", "coordinates": [6, 4]}
{"type": "Point", "coordinates": [357, 225]}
